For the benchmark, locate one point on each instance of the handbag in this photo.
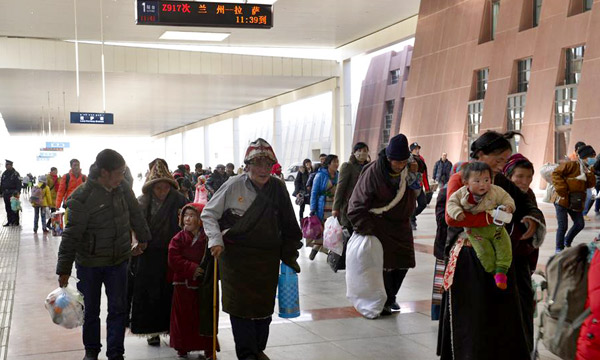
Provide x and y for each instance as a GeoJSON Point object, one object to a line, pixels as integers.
{"type": "Point", "coordinates": [300, 199]}
{"type": "Point", "coordinates": [312, 229]}
{"type": "Point", "coordinates": [577, 201]}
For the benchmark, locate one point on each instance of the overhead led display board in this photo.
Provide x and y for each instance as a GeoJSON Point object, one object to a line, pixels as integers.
{"type": "Point", "coordinates": [209, 14]}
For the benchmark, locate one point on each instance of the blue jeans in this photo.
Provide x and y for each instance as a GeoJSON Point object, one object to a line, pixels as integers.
{"type": "Point", "coordinates": [563, 224]}
{"type": "Point", "coordinates": [37, 210]}
{"type": "Point", "coordinates": [90, 283]}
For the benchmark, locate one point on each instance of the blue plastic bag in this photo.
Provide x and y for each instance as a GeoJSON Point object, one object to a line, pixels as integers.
{"type": "Point", "coordinates": [287, 292]}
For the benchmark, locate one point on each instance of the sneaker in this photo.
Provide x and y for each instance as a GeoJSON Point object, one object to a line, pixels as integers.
{"type": "Point", "coordinates": [313, 253]}
{"type": "Point", "coordinates": [395, 307]}
{"type": "Point", "coordinates": [182, 355]}
{"type": "Point", "coordinates": [154, 341]}
{"type": "Point", "coordinates": [387, 310]}
{"type": "Point", "coordinates": [45, 231]}
{"type": "Point", "coordinates": [262, 356]}
{"type": "Point", "coordinates": [91, 355]}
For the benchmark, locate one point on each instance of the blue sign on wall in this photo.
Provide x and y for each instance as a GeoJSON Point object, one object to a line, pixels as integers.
{"type": "Point", "coordinates": [92, 118]}
{"type": "Point", "coordinates": [58, 145]}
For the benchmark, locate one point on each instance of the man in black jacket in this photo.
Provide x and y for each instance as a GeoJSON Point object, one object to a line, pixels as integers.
{"type": "Point", "coordinates": [9, 185]}
{"type": "Point", "coordinates": [441, 170]}
{"type": "Point", "coordinates": [101, 215]}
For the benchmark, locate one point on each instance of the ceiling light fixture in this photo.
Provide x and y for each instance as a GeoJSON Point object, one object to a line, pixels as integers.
{"type": "Point", "coordinates": [194, 36]}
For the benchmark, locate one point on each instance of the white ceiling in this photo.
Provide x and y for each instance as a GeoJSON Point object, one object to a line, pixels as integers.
{"type": "Point", "coordinates": [149, 104]}
{"type": "Point", "coordinates": [143, 104]}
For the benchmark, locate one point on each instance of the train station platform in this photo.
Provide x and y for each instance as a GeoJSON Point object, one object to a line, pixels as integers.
{"type": "Point", "coordinates": [328, 328]}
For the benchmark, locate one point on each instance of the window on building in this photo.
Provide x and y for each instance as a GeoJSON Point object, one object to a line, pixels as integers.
{"type": "Point", "coordinates": [406, 72]}
{"type": "Point", "coordinates": [523, 74]}
{"type": "Point", "coordinates": [475, 112]}
{"type": "Point", "coordinates": [574, 62]}
{"type": "Point", "coordinates": [564, 106]}
{"type": "Point", "coordinates": [515, 111]}
{"type": "Point", "coordinates": [495, 13]}
{"type": "Point", "coordinates": [394, 76]}
{"type": "Point", "coordinates": [537, 10]}
{"type": "Point", "coordinates": [387, 122]}
{"type": "Point", "coordinates": [482, 81]}
{"type": "Point", "coordinates": [579, 6]}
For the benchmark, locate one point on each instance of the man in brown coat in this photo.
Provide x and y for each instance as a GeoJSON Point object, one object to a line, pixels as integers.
{"type": "Point", "coordinates": [381, 205]}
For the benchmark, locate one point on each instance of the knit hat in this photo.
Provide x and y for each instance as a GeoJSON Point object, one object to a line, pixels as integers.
{"type": "Point", "coordinates": [42, 178]}
{"type": "Point", "coordinates": [586, 151]}
{"type": "Point", "coordinates": [158, 172]}
{"type": "Point", "coordinates": [259, 148]}
{"type": "Point", "coordinates": [512, 163]}
{"type": "Point", "coordinates": [397, 148]}
{"type": "Point", "coordinates": [194, 206]}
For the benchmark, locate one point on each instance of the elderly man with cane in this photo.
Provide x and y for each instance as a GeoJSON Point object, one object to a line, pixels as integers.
{"type": "Point", "coordinates": [251, 226]}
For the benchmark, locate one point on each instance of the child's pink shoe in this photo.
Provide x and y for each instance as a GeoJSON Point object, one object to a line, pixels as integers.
{"type": "Point", "coordinates": [500, 279]}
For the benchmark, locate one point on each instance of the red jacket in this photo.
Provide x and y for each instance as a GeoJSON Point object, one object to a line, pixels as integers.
{"type": "Point", "coordinates": [184, 257]}
{"type": "Point", "coordinates": [588, 345]}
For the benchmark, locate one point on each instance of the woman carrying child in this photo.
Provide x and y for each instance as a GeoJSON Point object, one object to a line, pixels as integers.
{"type": "Point", "coordinates": [187, 254]}
{"type": "Point", "coordinates": [481, 321]}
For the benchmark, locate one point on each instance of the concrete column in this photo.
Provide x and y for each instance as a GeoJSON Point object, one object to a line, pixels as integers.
{"type": "Point", "coordinates": [206, 147]}
{"type": "Point", "coordinates": [336, 114]}
{"type": "Point", "coordinates": [276, 142]}
{"type": "Point", "coordinates": [236, 142]}
{"type": "Point", "coordinates": [346, 117]}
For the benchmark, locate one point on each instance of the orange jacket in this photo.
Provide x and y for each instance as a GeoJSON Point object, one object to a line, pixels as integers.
{"type": "Point", "coordinates": [64, 190]}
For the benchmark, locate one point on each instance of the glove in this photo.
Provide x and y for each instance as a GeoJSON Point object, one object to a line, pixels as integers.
{"type": "Point", "coordinates": [294, 265]}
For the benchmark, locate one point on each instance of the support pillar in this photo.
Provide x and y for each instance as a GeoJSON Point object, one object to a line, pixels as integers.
{"type": "Point", "coordinates": [276, 142]}
{"type": "Point", "coordinates": [236, 142]}
{"type": "Point", "coordinates": [206, 147]}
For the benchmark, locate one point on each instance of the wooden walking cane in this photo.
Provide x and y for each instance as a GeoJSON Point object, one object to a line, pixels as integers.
{"type": "Point", "coordinates": [215, 287]}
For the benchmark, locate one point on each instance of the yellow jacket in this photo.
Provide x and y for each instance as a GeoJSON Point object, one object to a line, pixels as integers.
{"type": "Point", "coordinates": [47, 196]}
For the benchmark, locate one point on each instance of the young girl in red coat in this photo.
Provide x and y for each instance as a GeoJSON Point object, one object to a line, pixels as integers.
{"type": "Point", "coordinates": [588, 345]}
{"type": "Point", "coordinates": [186, 252]}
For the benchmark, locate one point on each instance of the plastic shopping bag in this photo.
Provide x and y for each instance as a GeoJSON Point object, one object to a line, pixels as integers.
{"type": "Point", "coordinates": [364, 275]}
{"type": "Point", "coordinates": [312, 228]}
{"type": "Point", "coordinates": [57, 223]}
{"type": "Point", "coordinates": [333, 239]}
{"type": "Point", "coordinates": [65, 306]}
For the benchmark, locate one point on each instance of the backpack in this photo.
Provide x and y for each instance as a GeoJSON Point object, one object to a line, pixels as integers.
{"type": "Point", "coordinates": [36, 196]}
{"type": "Point", "coordinates": [564, 310]}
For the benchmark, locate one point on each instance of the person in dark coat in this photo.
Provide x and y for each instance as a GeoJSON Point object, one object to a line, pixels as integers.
{"type": "Point", "coordinates": [441, 170]}
{"type": "Point", "coordinates": [383, 183]}
{"type": "Point", "coordinates": [102, 214]}
{"type": "Point", "coordinates": [478, 320]}
{"type": "Point", "coordinates": [423, 192]}
{"type": "Point", "coordinates": [300, 189]}
{"type": "Point", "coordinates": [216, 180]}
{"type": "Point", "coordinates": [349, 173]}
{"type": "Point", "coordinates": [251, 227]}
{"type": "Point", "coordinates": [151, 284]}
{"type": "Point", "coordinates": [9, 185]}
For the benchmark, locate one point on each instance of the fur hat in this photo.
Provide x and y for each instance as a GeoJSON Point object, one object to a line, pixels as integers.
{"type": "Point", "coordinates": [158, 172]}
{"type": "Point", "coordinates": [259, 148]}
{"type": "Point", "coordinates": [194, 206]}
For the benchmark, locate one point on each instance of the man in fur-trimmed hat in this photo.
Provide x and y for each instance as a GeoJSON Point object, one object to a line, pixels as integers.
{"type": "Point", "coordinates": [255, 214]}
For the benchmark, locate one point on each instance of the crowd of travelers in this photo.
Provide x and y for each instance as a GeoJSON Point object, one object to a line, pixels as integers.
{"type": "Point", "coordinates": [155, 254]}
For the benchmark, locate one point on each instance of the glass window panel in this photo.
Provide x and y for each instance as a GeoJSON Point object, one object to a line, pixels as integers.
{"type": "Point", "coordinates": [495, 13]}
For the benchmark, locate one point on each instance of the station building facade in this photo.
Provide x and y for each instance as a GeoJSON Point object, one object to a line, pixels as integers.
{"type": "Point", "coordinates": [526, 65]}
